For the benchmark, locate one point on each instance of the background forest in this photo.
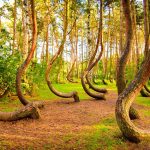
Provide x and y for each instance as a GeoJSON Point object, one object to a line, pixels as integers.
{"type": "Point", "coordinates": [91, 51]}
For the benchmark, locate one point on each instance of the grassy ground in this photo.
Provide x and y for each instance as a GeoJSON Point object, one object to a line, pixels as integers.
{"type": "Point", "coordinates": [43, 93]}
{"type": "Point", "coordinates": [103, 136]}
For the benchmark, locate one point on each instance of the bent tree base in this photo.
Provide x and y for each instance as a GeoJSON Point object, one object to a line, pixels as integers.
{"type": "Point", "coordinates": [97, 96]}
{"type": "Point", "coordinates": [29, 111]}
{"type": "Point", "coordinates": [144, 93]}
{"type": "Point", "coordinates": [133, 113]}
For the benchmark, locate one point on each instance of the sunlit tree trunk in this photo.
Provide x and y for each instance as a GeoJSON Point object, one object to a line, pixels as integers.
{"type": "Point", "coordinates": [126, 98]}
{"type": "Point", "coordinates": [93, 62]}
{"type": "Point", "coordinates": [121, 81]}
{"type": "Point", "coordinates": [29, 111]}
{"type": "Point", "coordinates": [14, 25]}
{"type": "Point", "coordinates": [73, 94]}
{"type": "Point", "coordinates": [25, 29]}
{"type": "Point", "coordinates": [0, 24]}
{"type": "Point", "coordinates": [145, 92]}
{"type": "Point", "coordinates": [21, 70]}
{"type": "Point", "coordinates": [47, 41]}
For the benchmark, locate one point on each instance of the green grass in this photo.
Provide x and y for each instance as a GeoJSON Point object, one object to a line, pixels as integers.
{"type": "Point", "coordinates": [145, 101]}
{"type": "Point", "coordinates": [146, 113]}
{"type": "Point", "coordinates": [103, 136]}
{"type": "Point", "coordinates": [45, 94]}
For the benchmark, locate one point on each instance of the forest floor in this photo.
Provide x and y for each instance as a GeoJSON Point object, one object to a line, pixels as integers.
{"type": "Point", "coordinates": [87, 125]}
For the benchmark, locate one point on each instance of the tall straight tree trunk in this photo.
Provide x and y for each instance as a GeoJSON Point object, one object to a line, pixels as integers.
{"type": "Point", "coordinates": [25, 29]}
{"type": "Point", "coordinates": [0, 24]}
{"type": "Point", "coordinates": [47, 41]}
{"type": "Point", "coordinates": [14, 25]}
{"type": "Point", "coordinates": [144, 92]}
{"type": "Point", "coordinates": [88, 29]}
{"type": "Point", "coordinates": [121, 32]}
{"type": "Point", "coordinates": [146, 26]}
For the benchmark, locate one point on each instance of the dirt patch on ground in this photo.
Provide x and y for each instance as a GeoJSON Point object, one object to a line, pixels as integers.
{"type": "Point", "coordinates": [58, 118]}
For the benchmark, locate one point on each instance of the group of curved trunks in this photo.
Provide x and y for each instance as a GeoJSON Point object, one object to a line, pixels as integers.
{"type": "Point", "coordinates": [124, 101]}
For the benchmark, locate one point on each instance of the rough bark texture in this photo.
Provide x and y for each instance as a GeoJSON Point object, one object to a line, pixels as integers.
{"type": "Point", "coordinates": [126, 98]}
{"type": "Point", "coordinates": [121, 81]}
{"type": "Point", "coordinates": [29, 111]}
{"type": "Point", "coordinates": [24, 66]}
{"type": "Point", "coordinates": [73, 94]}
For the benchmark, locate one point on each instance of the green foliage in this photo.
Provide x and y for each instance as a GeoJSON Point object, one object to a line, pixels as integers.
{"type": "Point", "coordinates": [8, 62]}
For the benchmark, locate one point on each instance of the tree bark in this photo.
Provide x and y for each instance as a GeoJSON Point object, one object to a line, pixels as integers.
{"type": "Point", "coordinates": [14, 25]}
{"type": "Point", "coordinates": [73, 61]}
{"type": "Point", "coordinates": [126, 98]}
{"type": "Point", "coordinates": [94, 87]}
{"type": "Point", "coordinates": [92, 63]}
{"type": "Point", "coordinates": [24, 66]}
{"type": "Point", "coordinates": [29, 111]}
{"type": "Point", "coordinates": [146, 25]}
{"type": "Point", "coordinates": [25, 29]}
{"type": "Point", "coordinates": [47, 41]}
{"type": "Point", "coordinates": [73, 94]}
{"type": "Point", "coordinates": [121, 81]}
{"type": "Point", "coordinates": [98, 96]}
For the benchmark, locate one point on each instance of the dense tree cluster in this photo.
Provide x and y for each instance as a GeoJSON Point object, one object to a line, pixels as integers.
{"type": "Point", "coordinates": [87, 41]}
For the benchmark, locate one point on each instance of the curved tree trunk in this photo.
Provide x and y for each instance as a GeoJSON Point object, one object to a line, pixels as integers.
{"type": "Point", "coordinates": [24, 66]}
{"type": "Point", "coordinates": [94, 80]}
{"type": "Point", "coordinates": [98, 96]}
{"type": "Point", "coordinates": [94, 87]}
{"type": "Point", "coordinates": [126, 98]}
{"type": "Point", "coordinates": [29, 111]}
{"type": "Point", "coordinates": [93, 62]}
{"type": "Point", "coordinates": [121, 81]}
{"type": "Point", "coordinates": [144, 93]}
{"type": "Point", "coordinates": [69, 78]}
{"type": "Point", "coordinates": [73, 94]}
{"type": "Point", "coordinates": [146, 88]}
